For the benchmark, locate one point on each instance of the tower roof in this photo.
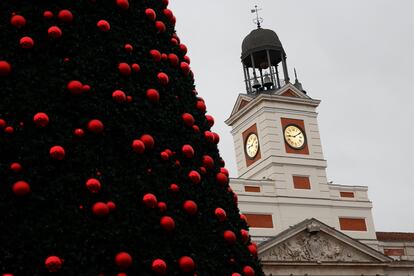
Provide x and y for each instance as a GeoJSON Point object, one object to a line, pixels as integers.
{"type": "Point", "coordinates": [260, 39]}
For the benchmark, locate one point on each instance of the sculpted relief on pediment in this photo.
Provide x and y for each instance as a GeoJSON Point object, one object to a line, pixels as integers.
{"type": "Point", "coordinates": [314, 247]}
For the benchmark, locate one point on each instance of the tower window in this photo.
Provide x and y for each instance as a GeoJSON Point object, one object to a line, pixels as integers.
{"type": "Point", "coordinates": [353, 224]}
{"type": "Point", "coordinates": [301, 182]}
{"type": "Point", "coordinates": [252, 189]}
{"type": "Point", "coordinates": [259, 220]}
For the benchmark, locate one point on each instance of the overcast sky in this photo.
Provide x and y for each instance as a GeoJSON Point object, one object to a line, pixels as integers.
{"type": "Point", "coordinates": [356, 56]}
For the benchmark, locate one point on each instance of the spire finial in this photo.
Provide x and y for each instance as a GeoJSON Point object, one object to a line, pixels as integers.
{"type": "Point", "coordinates": [296, 75]}
{"type": "Point", "coordinates": [258, 19]}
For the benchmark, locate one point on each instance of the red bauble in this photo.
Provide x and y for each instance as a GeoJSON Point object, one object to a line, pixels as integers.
{"type": "Point", "coordinates": [48, 14]}
{"type": "Point", "coordinates": [248, 271]}
{"type": "Point", "coordinates": [150, 200]}
{"type": "Point", "coordinates": [162, 207]}
{"type": "Point", "coordinates": [153, 95]}
{"type": "Point", "coordinates": [229, 237]}
{"type": "Point", "coordinates": [224, 171]}
{"type": "Point", "coordinates": [210, 120]}
{"type": "Point", "coordinates": [54, 32]}
{"type": "Point", "coordinates": [135, 67]}
{"type": "Point", "coordinates": [196, 128]}
{"type": "Point", "coordinates": [235, 274]}
{"type": "Point", "coordinates": [119, 96]}
{"type": "Point", "coordinates": [9, 130]}
{"type": "Point", "coordinates": [187, 59]}
{"type": "Point", "coordinates": [186, 264]}
{"type": "Point", "coordinates": [5, 68]}
{"type": "Point", "coordinates": [165, 2]}
{"type": "Point", "coordinates": [100, 209]}
{"type": "Point", "coordinates": [65, 16]}
{"type": "Point", "coordinates": [174, 41]}
{"type": "Point", "coordinates": [243, 217]}
{"type": "Point", "coordinates": [123, 4]}
{"type": "Point", "coordinates": [183, 48]}
{"type": "Point", "coordinates": [95, 126]}
{"type": "Point", "coordinates": [103, 25]}
{"type": "Point", "coordinates": [156, 55]}
{"type": "Point", "coordinates": [18, 21]}
{"type": "Point", "coordinates": [138, 146]}
{"type": "Point", "coordinates": [174, 188]}
{"type": "Point", "coordinates": [185, 68]}
{"type": "Point", "coordinates": [220, 214]}
{"type": "Point", "coordinates": [75, 87]}
{"type": "Point", "coordinates": [188, 151]}
{"type": "Point", "coordinates": [188, 119]}
{"type": "Point", "coordinates": [253, 249]}
{"type": "Point", "coordinates": [168, 13]}
{"type": "Point", "coordinates": [53, 263]}
{"type": "Point", "coordinates": [111, 206]}
{"type": "Point", "coordinates": [26, 42]}
{"type": "Point", "coordinates": [208, 161]}
{"type": "Point", "coordinates": [123, 260]}
{"type": "Point", "coordinates": [167, 223]}
{"type": "Point", "coordinates": [222, 179]}
{"type": "Point", "coordinates": [21, 188]}
{"type": "Point", "coordinates": [2, 123]}
{"type": "Point", "coordinates": [159, 266]}
{"type": "Point", "coordinates": [194, 177]}
{"type": "Point", "coordinates": [190, 207]}
{"type": "Point", "coordinates": [209, 136]}
{"type": "Point", "coordinates": [160, 26]}
{"type": "Point", "coordinates": [93, 185]}
{"type": "Point", "coordinates": [201, 106]}
{"type": "Point", "coordinates": [148, 141]}
{"type": "Point", "coordinates": [164, 156]}
{"type": "Point", "coordinates": [244, 235]}
{"type": "Point", "coordinates": [124, 69]}
{"type": "Point", "coordinates": [173, 20]}
{"type": "Point", "coordinates": [203, 170]}
{"type": "Point", "coordinates": [57, 152]}
{"type": "Point", "coordinates": [173, 58]}
{"type": "Point", "coordinates": [79, 132]}
{"type": "Point", "coordinates": [150, 13]}
{"type": "Point", "coordinates": [41, 119]}
{"type": "Point", "coordinates": [129, 99]}
{"type": "Point", "coordinates": [128, 48]}
{"type": "Point", "coordinates": [163, 78]}
{"type": "Point", "coordinates": [15, 167]}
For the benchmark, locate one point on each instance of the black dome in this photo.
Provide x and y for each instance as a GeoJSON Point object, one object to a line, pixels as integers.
{"type": "Point", "coordinates": [260, 39]}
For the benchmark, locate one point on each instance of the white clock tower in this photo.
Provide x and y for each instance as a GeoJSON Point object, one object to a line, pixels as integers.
{"type": "Point", "coordinates": [281, 168]}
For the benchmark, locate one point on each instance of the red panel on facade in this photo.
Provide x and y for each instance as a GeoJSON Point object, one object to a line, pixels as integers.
{"type": "Point", "coordinates": [252, 189]}
{"type": "Point", "coordinates": [301, 182]}
{"type": "Point", "coordinates": [353, 224]}
{"type": "Point", "coordinates": [259, 220]}
{"type": "Point", "coordinates": [347, 194]}
{"type": "Point", "coordinates": [287, 121]}
{"type": "Point", "coordinates": [394, 251]}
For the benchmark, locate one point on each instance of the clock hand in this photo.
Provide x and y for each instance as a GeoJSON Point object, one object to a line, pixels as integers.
{"type": "Point", "coordinates": [297, 134]}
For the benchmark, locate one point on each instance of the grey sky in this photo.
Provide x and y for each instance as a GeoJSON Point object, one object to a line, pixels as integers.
{"type": "Point", "coordinates": [356, 56]}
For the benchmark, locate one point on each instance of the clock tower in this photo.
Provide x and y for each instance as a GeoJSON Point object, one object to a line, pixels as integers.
{"type": "Point", "coordinates": [281, 168]}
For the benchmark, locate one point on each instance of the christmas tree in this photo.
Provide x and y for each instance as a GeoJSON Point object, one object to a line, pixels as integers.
{"type": "Point", "coordinates": [108, 165]}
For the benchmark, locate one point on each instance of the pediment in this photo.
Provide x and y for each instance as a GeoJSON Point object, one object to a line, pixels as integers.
{"type": "Point", "coordinates": [291, 91]}
{"type": "Point", "coordinates": [312, 241]}
{"type": "Point", "coordinates": [242, 101]}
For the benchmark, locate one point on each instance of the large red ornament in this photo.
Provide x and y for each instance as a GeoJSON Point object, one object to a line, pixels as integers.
{"type": "Point", "coordinates": [194, 177]}
{"type": "Point", "coordinates": [21, 188]}
{"type": "Point", "coordinates": [183, 48]}
{"type": "Point", "coordinates": [235, 274]}
{"type": "Point", "coordinates": [65, 16]}
{"type": "Point", "coordinates": [41, 119]}
{"type": "Point", "coordinates": [123, 4]}
{"type": "Point", "coordinates": [156, 55]}
{"type": "Point", "coordinates": [100, 209]}
{"type": "Point", "coordinates": [150, 200]}
{"type": "Point", "coordinates": [208, 161]}
{"type": "Point", "coordinates": [9, 130]}
{"type": "Point", "coordinates": [124, 69]}
{"type": "Point", "coordinates": [79, 132]}
{"type": "Point", "coordinates": [5, 68]}
{"type": "Point", "coordinates": [148, 141]}
{"type": "Point", "coordinates": [222, 179]}
{"type": "Point", "coordinates": [128, 48]}
{"type": "Point", "coordinates": [220, 214]}
{"type": "Point", "coordinates": [2, 123]}
{"type": "Point", "coordinates": [159, 266]}
{"type": "Point", "coordinates": [201, 106]}
{"type": "Point", "coordinates": [150, 13]}
{"type": "Point", "coordinates": [163, 78]}
{"type": "Point", "coordinates": [248, 271]}
{"type": "Point", "coordinates": [93, 185]}
{"type": "Point", "coordinates": [188, 119]}
{"type": "Point", "coordinates": [167, 223]}
{"type": "Point", "coordinates": [48, 14]}
{"type": "Point", "coordinates": [209, 136]}
{"type": "Point", "coordinates": [135, 67]}
{"type": "Point", "coordinates": [75, 87]}
{"type": "Point", "coordinates": [188, 151]}
{"type": "Point", "coordinates": [18, 21]}
{"type": "Point", "coordinates": [103, 25]}
{"type": "Point", "coordinates": [185, 68]}
{"type": "Point", "coordinates": [57, 152]}
{"type": "Point", "coordinates": [153, 95]}
{"type": "Point", "coordinates": [111, 206]}
{"type": "Point", "coordinates": [244, 235]}
{"type": "Point", "coordinates": [119, 96]}
{"type": "Point", "coordinates": [229, 237]}
{"type": "Point", "coordinates": [53, 263]}
{"type": "Point", "coordinates": [216, 138]}
{"type": "Point", "coordinates": [162, 207]}
{"type": "Point", "coordinates": [187, 59]}
{"type": "Point", "coordinates": [168, 13]}
{"type": "Point", "coordinates": [54, 32]}
{"type": "Point", "coordinates": [190, 207]}
{"type": "Point", "coordinates": [160, 26]}
{"type": "Point", "coordinates": [186, 264]}
{"type": "Point", "coordinates": [26, 42]}
{"type": "Point", "coordinates": [224, 171]}
{"type": "Point", "coordinates": [95, 126]}
{"type": "Point", "coordinates": [174, 188]}
{"type": "Point", "coordinates": [15, 167]}
{"type": "Point", "coordinates": [210, 120]}
{"type": "Point", "coordinates": [173, 58]}
{"type": "Point", "coordinates": [123, 260]}
{"type": "Point", "coordinates": [174, 41]}
{"type": "Point", "coordinates": [138, 146]}
{"type": "Point", "coordinates": [253, 249]}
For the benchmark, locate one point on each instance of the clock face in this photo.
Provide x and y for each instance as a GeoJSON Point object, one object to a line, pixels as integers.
{"type": "Point", "coordinates": [295, 137]}
{"type": "Point", "coordinates": [252, 145]}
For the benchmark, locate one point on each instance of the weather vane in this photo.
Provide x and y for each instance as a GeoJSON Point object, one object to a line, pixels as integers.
{"type": "Point", "coordinates": [258, 19]}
